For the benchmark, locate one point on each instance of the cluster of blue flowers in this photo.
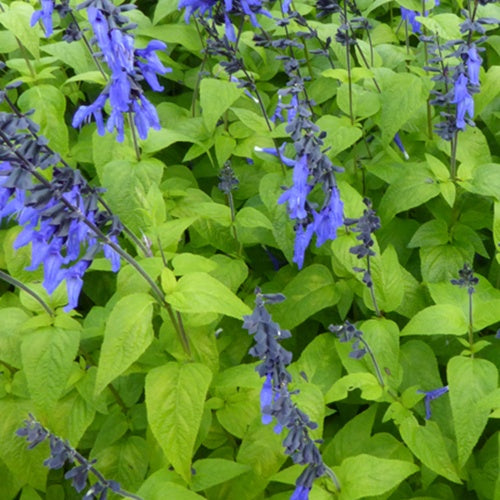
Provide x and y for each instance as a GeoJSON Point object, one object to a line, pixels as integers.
{"type": "Point", "coordinates": [129, 67]}
{"type": "Point", "coordinates": [62, 453]}
{"type": "Point", "coordinates": [217, 9]}
{"type": "Point", "coordinates": [311, 167]}
{"type": "Point", "coordinates": [60, 218]}
{"type": "Point", "coordinates": [458, 84]}
{"type": "Point", "coordinates": [275, 397]}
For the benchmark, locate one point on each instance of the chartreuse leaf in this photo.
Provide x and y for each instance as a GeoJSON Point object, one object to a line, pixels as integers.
{"type": "Point", "coordinates": [9, 486]}
{"type": "Point", "coordinates": [441, 262]}
{"type": "Point", "coordinates": [341, 134]}
{"type": "Point", "coordinates": [126, 461]}
{"type": "Point", "coordinates": [320, 361]}
{"type": "Point", "coordinates": [238, 387]}
{"type": "Point", "coordinates": [26, 465]}
{"type": "Point", "coordinates": [364, 102]}
{"type": "Point", "coordinates": [366, 382]}
{"type": "Point", "coordinates": [49, 104]}
{"type": "Point", "coordinates": [47, 356]}
{"type": "Point", "coordinates": [212, 471]}
{"type": "Point", "coordinates": [428, 445]}
{"type": "Point", "coordinates": [163, 484]}
{"type": "Point", "coordinates": [216, 96]}
{"type": "Point", "coordinates": [470, 381]}
{"type": "Point", "coordinates": [175, 397]}
{"type": "Point", "coordinates": [441, 319]}
{"type": "Point", "coordinates": [310, 291]}
{"type": "Point", "coordinates": [382, 336]}
{"type": "Point", "coordinates": [399, 91]}
{"type": "Point", "coordinates": [412, 188]}
{"type": "Point", "coordinates": [16, 17]}
{"type": "Point", "coordinates": [366, 475]}
{"type": "Point", "coordinates": [351, 439]}
{"type": "Point", "coordinates": [127, 335]}
{"type": "Point", "coordinates": [127, 184]}
{"type": "Point", "coordinates": [199, 292]}
{"type": "Point", "coordinates": [431, 233]}
{"type": "Point", "coordinates": [75, 55]}
{"type": "Point", "coordinates": [72, 416]}
{"type": "Point", "coordinates": [388, 282]}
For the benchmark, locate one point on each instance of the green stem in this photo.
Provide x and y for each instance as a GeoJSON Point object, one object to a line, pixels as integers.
{"type": "Point", "coordinates": [9, 279]}
{"type": "Point", "coordinates": [374, 361]}
{"type": "Point", "coordinates": [453, 156]}
{"type": "Point", "coordinates": [134, 136]}
{"type": "Point", "coordinates": [471, 326]}
{"type": "Point", "coordinates": [348, 64]}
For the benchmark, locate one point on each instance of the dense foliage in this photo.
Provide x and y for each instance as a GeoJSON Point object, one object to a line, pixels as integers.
{"type": "Point", "coordinates": [249, 249]}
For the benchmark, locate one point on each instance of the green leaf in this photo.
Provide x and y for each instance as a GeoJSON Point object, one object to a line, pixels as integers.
{"type": "Point", "coordinates": [48, 355]}
{"type": "Point", "coordinates": [428, 445]}
{"type": "Point", "coordinates": [320, 362]}
{"type": "Point", "coordinates": [127, 335]}
{"type": "Point", "coordinates": [440, 263]}
{"type": "Point", "coordinates": [175, 396]}
{"type": "Point", "coordinates": [16, 18]}
{"type": "Point", "coordinates": [366, 475]}
{"type": "Point", "coordinates": [441, 319]}
{"type": "Point", "coordinates": [26, 465]}
{"type": "Point", "coordinates": [310, 291]}
{"type": "Point", "coordinates": [388, 283]}
{"type": "Point", "coordinates": [431, 233]}
{"type": "Point", "coordinates": [340, 133]}
{"type": "Point", "coordinates": [364, 102]}
{"type": "Point", "coordinates": [72, 416]}
{"type": "Point", "coordinates": [400, 91]}
{"type": "Point", "coordinates": [49, 104]}
{"type": "Point", "coordinates": [382, 336]}
{"type": "Point", "coordinates": [412, 188]}
{"type": "Point", "coordinates": [470, 381]}
{"type": "Point", "coordinates": [126, 461]}
{"type": "Point", "coordinates": [216, 97]}
{"type": "Point", "coordinates": [213, 471]}
{"type": "Point", "coordinates": [165, 484]}
{"type": "Point", "coordinates": [186, 263]}
{"type": "Point", "coordinates": [127, 184]}
{"type": "Point", "coordinates": [199, 292]}
{"type": "Point", "coordinates": [486, 180]}
{"type": "Point", "coordinates": [369, 385]}
{"type": "Point", "coordinates": [447, 25]}
{"type": "Point", "coordinates": [251, 120]}
{"type": "Point", "coordinates": [11, 320]}
{"type": "Point", "coordinates": [74, 55]}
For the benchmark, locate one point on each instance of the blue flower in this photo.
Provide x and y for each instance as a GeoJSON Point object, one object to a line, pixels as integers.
{"type": "Point", "coordinates": [74, 283]}
{"type": "Point", "coordinates": [84, 113]}
{"type": "Point", "coordinates": [399, 144]}
{"type": "Point", "coordinates": [431, 396]}
{"type": "Point", "coordinates": [52, 273]}
{"type": "Point", "coordinates": [474, 61]}
{"type": "Point", "coordinates": [266, 400]}
{"type": "Point", "coordinates": [303, 237]}
{"type": "Point", "coordinates": [464, 101]}
{"type": "Point", "coordinates": [300, 493]}
{"type": "Point", "coordinates": [410, 16]}
{"type": "Point", "coordinates": [45, 15]}
{"type": "Point", "coordinates": [297, 194]}
{"type": "Point", "coordinates": [329, 219]}
{"type": "Point", "coordinates": [145, 117]}
{"type": "Point", "coordinates": [153, 65]}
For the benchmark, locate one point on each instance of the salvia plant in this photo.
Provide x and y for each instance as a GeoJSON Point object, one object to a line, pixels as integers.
{"type": "Point", "coordinates": [249, 249]}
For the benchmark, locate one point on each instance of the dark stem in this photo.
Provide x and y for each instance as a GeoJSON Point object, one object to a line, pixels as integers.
{"type": "Point", "coordinates": [9, 279]}
{"type": "Point", "coordinates": [372, 291]}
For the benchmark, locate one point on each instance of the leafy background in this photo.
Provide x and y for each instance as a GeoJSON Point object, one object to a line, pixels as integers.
{"type": "Point", "coordinates": [113, 377]}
